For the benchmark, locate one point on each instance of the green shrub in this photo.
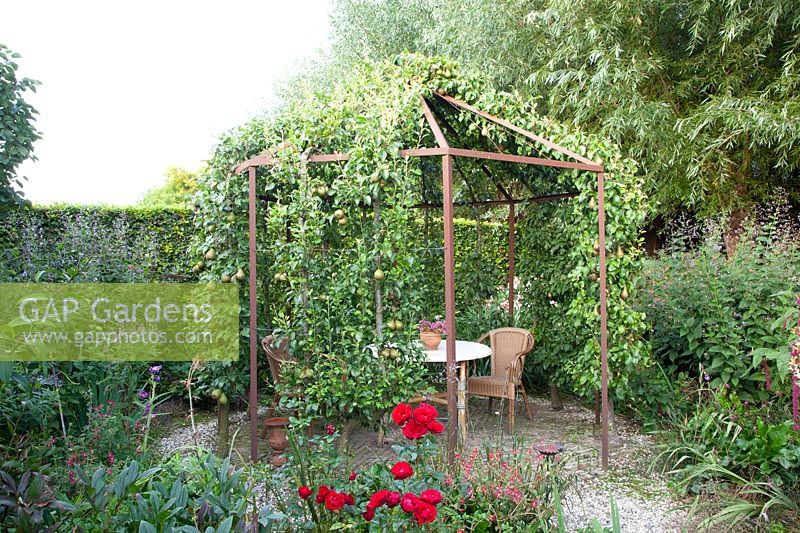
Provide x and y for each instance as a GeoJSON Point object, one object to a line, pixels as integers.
{"type": "Point", "coordinates": [94, 244]}
{"type": "Point", "coordinates": [37, 397]}
{"type": "Point", "coordinates": [721, 314]}
{"type": "Point", "coordinates": [741, 460]}
{"type": "Point", "coordinates": [195, 492]}
{"type": "Point", "coordinates": [721, 327]}
{"type": "Point", "coordinates": [67, 243]}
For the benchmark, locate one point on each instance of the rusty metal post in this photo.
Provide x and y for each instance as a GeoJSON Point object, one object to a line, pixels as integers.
{"type": "Point", "coordinates": [601, 222]}
{"type": "Point", "coordinates": [450, 305]}
{"type": "Point", "coordinates": [251, 173]}
{"type": "Point", "coordinates": [512, 219]}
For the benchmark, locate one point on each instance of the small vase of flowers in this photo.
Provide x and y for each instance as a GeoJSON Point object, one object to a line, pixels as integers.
{"type": "Point", "coordinates": [430, 333]}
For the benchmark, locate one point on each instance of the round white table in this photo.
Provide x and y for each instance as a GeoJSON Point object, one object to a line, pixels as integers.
{"type": "Point", "coordinates": [465, 351]}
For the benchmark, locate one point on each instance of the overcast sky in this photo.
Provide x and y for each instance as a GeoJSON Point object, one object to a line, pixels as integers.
{"type": "Point", "coordinates": [131, 88]}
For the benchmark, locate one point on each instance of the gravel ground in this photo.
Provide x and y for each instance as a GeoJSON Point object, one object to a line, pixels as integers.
{"type": "Point", "coordinates": [181, 437]}
{"type": "Point", "coordinates": [591, 499]}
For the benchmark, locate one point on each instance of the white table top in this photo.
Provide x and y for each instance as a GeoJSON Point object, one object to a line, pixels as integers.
{"type": "Point", "coordinates": [465, 351]}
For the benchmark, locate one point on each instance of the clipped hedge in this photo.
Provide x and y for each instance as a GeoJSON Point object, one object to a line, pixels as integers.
{"type": "Point", "coordinates": [481, 261]}
{"type": "Point", "coordinates": [32, 237]}
{"type": "Point", "coordinates": [95, 243]}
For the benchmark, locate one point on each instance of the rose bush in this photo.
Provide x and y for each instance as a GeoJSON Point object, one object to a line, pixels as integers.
{"type": "Point", "coordinates": [404, 494]}
{"type": "Point", "coordinates": [419, 491]}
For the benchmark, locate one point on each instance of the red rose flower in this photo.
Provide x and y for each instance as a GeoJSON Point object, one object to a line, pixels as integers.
{"type": "Point", "coordinates": [322, 493]}
{"type": "Point", "coordinates": [368, 515]}
{"type": "Point", "coordinates": [402, 470]}
{"type": "Point", "coordinates": [334, 501]}
{"type": "Point", "coordinates": [409, 502]}
{"type": "Point", "coordinates": [401, 413]}
{"type": "Point", "coordinates": [425, 414]}
{"type": "Point", "coordinates": [353, 475]}
{"type": "Point", "coordinates": [330, 429]}
{"type": "Point", "coordinates": [431, 496]}
{"type": "Point", "coordinates": [413, 430]}
{"type": "Point", "coordinates": [435, 426]}
{"type": "Point", "coordinates": [424, 513]}
{"type": "Point", "coordinates": [349, 499]}
{"type": "Point", "coordinates": [304, 492]}
{"type": "Point", "coordinates": [378, 499]}
{"type": "Point", "coordinates": [393, 499]}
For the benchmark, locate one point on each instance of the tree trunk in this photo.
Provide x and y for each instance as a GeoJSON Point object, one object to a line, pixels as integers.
{"type": "Point", "coordinates": [738, 216]}
{"type": "Point", "coordinates": [597, 407]}
{"type": "Point", "coordinates": [555, 398]}
{"type": "Point", "coordinates": [378, 288]}
{"type": "Point", "coordinates": [613, 434]}
{"type": "Point", "coordinates": [344, 438]}
{"type": "Point", "coordinates": [382, 431]}
{"type": "Point", "coordinates": [734, 231]}
{"type": "Point", "coordinates": [223, 428]}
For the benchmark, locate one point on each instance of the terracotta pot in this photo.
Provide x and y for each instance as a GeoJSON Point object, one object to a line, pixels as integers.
{"type": "Point", "coordinates": [430, 340]}
{"type": "Point", "coordinates": [277, 438]}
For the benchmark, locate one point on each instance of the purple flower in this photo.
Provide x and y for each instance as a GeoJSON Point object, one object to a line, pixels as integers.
{"type": "Point", "coordinates": [146, 408]}
{"type": "Point", "coordinates": [433, 327]}
{"type": "Point", "coordinates": [143, 395]}
{"type": "Point", "coordinates": [155, 369]}
{"type": "Point", "coordinates": [156, 378]}
{"type": "Point", "coordinates": [706, 377]}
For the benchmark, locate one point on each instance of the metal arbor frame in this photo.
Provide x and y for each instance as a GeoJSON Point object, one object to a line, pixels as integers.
{"type": "Point", "coordinates": [447, 153]}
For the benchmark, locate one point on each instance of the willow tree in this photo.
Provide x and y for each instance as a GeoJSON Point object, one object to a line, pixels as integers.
{"type": "Point", "coordinates": [702, 93]}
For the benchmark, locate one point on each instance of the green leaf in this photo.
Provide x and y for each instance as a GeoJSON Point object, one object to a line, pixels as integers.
{"type": "Point", "coordinates": [147, 527]}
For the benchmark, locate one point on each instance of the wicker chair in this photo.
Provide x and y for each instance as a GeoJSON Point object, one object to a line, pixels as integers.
{"type": "Point", "coordinates": [277, 355]}
{"type": "Point", "coordinates": [509, 348]}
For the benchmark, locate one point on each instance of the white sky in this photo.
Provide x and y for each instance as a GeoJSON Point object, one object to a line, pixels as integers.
{"type": "Point", "coordinates": [131, 88]}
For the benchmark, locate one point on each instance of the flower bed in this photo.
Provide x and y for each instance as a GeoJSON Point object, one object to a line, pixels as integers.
{"type": "Point", "coordinates": [482, 490]}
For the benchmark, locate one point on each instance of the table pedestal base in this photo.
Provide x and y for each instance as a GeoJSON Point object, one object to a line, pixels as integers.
{"type": "Point", "coordinates": [440, 398]}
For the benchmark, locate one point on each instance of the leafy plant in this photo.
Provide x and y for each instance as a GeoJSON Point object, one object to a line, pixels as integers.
{"type": "Point", "coordinates": [322, 495]}
{"type": "Point", "coordinates": [94, 244]}
{"type": "Point", "coordinates": [28, 504]}
{"type": "Point", "coordinates": [727, 314]}
{"type": "Point", "coordinates": [197, 492]}
{"type": "Point", "coordinates": [514, 489]}
{"type": "Point", "coordinates": [741, 461]}
{"type": "Point", "coordinates": [491, 489]}
{"type": "Point", "coordinates": [17, 131]}
{"type": "Point", "coordinates": [762, 501]}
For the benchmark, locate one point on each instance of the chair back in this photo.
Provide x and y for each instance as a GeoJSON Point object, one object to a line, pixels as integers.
{"type": "Point", "coordinates": [277, 355]}
{"type": "Point", "coordinates": [508, 344]}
